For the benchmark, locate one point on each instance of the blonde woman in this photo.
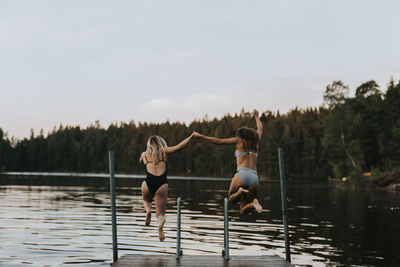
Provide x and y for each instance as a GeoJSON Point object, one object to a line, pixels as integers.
{"type": "Point", "coordinates": [244, 185]}
{"type": "Point", "coordinates": [156, 185]}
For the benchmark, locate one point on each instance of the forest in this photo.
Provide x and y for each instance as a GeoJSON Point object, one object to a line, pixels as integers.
{"type": "Point", "coordinates": [347, 136]}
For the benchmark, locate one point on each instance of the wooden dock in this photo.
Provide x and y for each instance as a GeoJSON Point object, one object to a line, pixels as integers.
{"type": "Point", "coordinates": [138, 260]}
{"type": "Point", "coordinates": [159, 260]}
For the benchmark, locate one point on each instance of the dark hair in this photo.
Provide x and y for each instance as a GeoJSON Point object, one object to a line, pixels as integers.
{"type": "Point", "coordinates": [248, 134]}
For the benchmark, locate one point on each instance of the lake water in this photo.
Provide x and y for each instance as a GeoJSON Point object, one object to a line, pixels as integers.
{"type": "Point", "coordinates": [56, 221]}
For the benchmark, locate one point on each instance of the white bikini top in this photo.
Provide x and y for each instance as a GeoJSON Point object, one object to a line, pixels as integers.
{"type": "Point", "coordinates": [238, 154]}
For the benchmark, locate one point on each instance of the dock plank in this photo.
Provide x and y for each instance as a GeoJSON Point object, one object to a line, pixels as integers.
{"type": "Point", "coordinates": [199, 261]}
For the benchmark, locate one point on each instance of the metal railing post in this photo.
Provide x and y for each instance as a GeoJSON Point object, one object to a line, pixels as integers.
{"type": "Point", "coordinates": [225, 251]}
{"type": "Point", "coordinates": [113, 210]}
{"type": "Point", "coordinates": [284, 206]}
{"type": "Point", "coordinates": [178, 230]}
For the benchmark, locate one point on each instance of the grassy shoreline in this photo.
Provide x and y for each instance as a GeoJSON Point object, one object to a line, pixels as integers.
{"type": "Point", "coordinates": [383, 180]}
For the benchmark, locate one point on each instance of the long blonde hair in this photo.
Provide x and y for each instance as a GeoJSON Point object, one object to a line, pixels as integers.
{"type": "Point", "coordinates": [155, 147]}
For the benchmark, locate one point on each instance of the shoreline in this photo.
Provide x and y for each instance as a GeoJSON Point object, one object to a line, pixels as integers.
{"type": "Point", "coordinates": [387, 180]}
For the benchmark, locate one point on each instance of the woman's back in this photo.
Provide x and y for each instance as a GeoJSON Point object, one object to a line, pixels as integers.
{"type": "Point", "coordinates": [246, 154]}
{"type": "Point", "coordinates": [153, 167]}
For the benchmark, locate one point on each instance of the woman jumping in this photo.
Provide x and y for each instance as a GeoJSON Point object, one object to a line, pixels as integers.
{"type": "Point", "coordinates": [156, 185]}
{"type": "Point", "coordinates": [244, 185]}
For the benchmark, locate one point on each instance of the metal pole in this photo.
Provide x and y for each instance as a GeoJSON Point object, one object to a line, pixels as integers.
{"type": "Point", "coordinates": [284, 206]}
{"type": "Point", "coordinates": [225, 252]}
{"type": "Point", "coordinates": [113, 211]}
{"type": "Point", "coordinates": [178, 231]}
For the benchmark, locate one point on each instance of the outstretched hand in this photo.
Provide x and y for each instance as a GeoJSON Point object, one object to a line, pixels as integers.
{"type": "Point", "coordinates": [196, 134]}
{"type": "Point", "coordinates": [255, 113]}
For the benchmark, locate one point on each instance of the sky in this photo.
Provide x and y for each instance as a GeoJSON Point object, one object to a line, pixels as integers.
{"type": "Point", "coordinates": [75, 62]}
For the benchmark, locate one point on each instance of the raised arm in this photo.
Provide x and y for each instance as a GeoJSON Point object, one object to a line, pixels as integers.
{"type": "Point", "coordinates": [215, 140]}
{"type": "Point", "coordinates": [178, 146]}
{"type": "Point", "coordinates": [259, 124]}
{"type": "Point", "coordinates": [141, 157]}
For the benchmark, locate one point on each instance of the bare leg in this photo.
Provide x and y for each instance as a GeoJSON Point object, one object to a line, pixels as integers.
{"type": "Point", "coordinates": [236, 190]}
{"type": "Point", "coordinates": [147, 197]}
{"type": "Point", "coordinates": [160, 200]}
{"type": "Point", "coordinates": [254, 205]}
{"type": "Point", "coordinates": [250, 202]}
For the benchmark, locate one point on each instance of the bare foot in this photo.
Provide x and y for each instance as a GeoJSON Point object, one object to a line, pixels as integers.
{"type": "Point", "coordinates": [257, 205]}
{"type": "Point", "coordinates": [242, 190]}
{"type": "Point", "coordinates": [161, 235]}
{"type": "Point", "coordinates": [148, 218]}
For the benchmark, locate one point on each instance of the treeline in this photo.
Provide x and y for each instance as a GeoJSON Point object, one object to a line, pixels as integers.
{"type": "Point", "coordinates": [346, 136]}
{"type": "Point", "coordinates": [361, 133]}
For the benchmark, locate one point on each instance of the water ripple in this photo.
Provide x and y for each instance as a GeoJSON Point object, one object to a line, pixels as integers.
{"type": "Point", "coordinates": [58, 225]}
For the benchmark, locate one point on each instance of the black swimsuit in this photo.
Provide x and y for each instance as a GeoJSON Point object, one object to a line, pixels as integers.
{"type": "Point", "coordinates": [154, 182]}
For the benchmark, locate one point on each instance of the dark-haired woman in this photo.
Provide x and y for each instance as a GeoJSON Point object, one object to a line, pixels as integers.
{"type": "Point", "coordinates": [156, 184]}
{"type": "Point", "coordinates": [244, 185]}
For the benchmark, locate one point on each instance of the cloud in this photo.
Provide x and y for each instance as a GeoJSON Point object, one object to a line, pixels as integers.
{"type": "Point", "coordinates": [185, 108]}
{"type": "Point", "coordinates": [25, 113]}
{"type": "Point", "coordinates": [190, 107]}
{"type": "Point", "coordinates": [159, 103]}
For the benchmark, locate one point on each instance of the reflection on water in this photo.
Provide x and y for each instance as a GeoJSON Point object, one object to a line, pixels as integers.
{"type": "Point", "coordinates": [55, 221]}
